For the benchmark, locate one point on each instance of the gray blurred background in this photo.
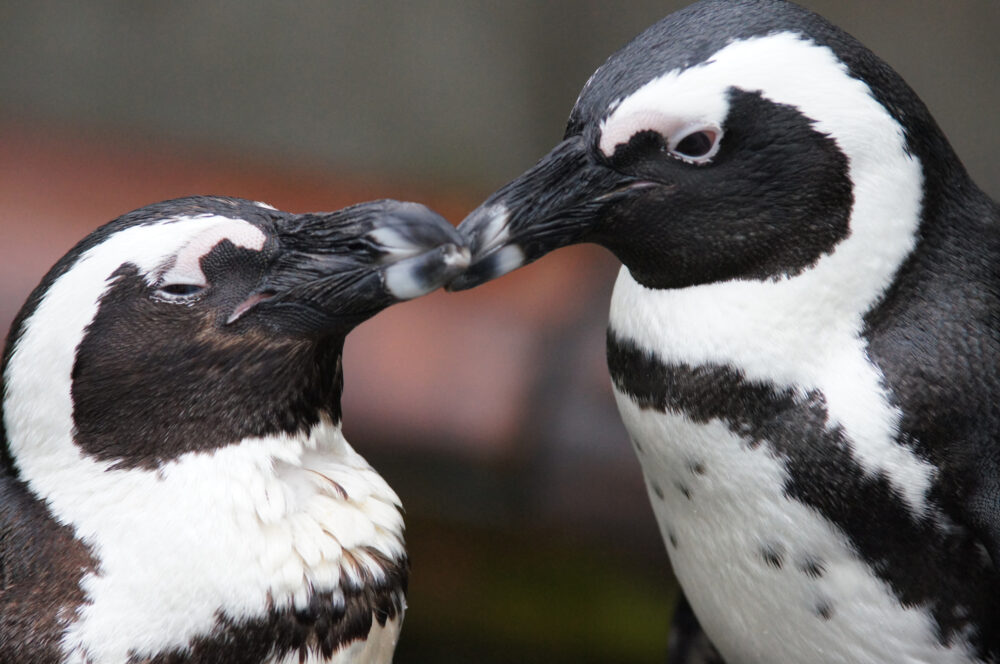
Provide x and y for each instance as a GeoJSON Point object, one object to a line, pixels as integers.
{"type": "Point", "coordinates": [463, 93]}
{"type": "Point", "coordinates": [489, 411]}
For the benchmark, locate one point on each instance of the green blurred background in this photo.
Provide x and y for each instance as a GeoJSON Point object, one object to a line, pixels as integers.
{"type": "Point", "coordinates": [490, 411]}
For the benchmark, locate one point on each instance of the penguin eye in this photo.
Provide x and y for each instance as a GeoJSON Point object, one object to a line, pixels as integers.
{"type": "Point", "coordinates": [179, 292]}
{"type": "Point", "coordinates": [697, 146]}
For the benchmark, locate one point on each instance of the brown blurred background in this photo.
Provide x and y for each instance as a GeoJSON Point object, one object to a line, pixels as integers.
{"type": "Point", "coordinates": [489, 411]}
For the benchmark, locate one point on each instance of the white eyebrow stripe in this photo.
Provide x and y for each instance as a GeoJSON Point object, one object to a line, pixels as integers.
{"type": "Point", "coordinates": [187, 267]}
{"type": "Point", "coordinates": [786, 68]}
{"type": "Point", "coordinates": [618, 129]}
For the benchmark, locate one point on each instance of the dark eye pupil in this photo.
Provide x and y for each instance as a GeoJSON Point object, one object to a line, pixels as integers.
{"type": "Point", "coordinates": [697, 144]}
{"type": "Point", "coordinates": [180, 289]}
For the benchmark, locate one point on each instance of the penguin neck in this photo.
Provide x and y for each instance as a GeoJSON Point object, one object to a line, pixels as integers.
{"type": "Point", "coordinates": [330, 356]}
{"type": "Point", "coordinates": [258, 482]}
{"type": "Point", "coordinates": [943, 299]}
{"type": "Point", "coordinates": [956, 255]}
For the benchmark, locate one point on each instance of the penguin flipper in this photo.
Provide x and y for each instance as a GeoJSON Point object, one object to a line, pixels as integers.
{"type": "Point", "coordinates": [688, 642]}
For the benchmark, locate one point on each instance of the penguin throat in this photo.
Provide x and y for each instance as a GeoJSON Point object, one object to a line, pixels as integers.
{"type": "Point", "coordinates": [273, 524]}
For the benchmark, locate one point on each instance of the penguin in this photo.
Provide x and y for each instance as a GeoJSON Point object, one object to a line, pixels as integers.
{"type": "Point", "coordinates": [804, 337]}
{"type": "Point", "coordinates": [174, 483]}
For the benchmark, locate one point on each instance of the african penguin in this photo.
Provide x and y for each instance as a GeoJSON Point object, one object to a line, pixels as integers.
{"type": "Point", "coordinates": [174, 485]}
{"type": "Point", "coordinates": [804, 338]}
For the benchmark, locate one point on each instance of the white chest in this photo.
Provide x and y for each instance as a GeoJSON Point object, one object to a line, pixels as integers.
{"type": "Point", "coordinates": [769, 578]}
{"type": "Point", "coordinates": [238, 533]}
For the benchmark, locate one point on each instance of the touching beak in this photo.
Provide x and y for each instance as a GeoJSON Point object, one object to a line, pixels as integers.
{"type": "Point", "coordinates": [334, 270]}
{"type": "Point", "coordinates": [555, 203]}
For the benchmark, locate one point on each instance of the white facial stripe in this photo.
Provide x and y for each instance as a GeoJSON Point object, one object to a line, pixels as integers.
{"type": "Point", "coordinates": [803, 332]}
{"type": "Point", "coordinates": [187, 266]}
{"type": "Point", "coordinates": [618, 128]}
{"type": "Point", "coordinates": [38, 409]}
{"type": "Point", "coordinates": [785, 68]}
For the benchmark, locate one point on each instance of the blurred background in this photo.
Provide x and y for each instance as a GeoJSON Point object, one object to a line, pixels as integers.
{"type": "Point", "coordinates": [489, 411]}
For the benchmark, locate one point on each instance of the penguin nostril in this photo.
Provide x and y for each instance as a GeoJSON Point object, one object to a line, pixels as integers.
{"type": "Point", "coordinates": [249, 304]}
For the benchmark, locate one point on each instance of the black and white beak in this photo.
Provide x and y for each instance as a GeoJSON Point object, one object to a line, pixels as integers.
{"type": "Point", "coordinates": [340, 268]}
{"type": "Point", "coordinates": [553, 204]}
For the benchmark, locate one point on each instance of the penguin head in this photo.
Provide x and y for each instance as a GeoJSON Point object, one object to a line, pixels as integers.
{"type": "Point", "coordinates": [193, 324]}
{"type": "Point", "coordinates": [733, 140]}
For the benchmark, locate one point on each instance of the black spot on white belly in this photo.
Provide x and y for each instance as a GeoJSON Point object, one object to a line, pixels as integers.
{"type": "Point", "coordinates": [683, 489]}
{"type": "Point", "coordinates": [824, 609]}
{"type": "Point", "coordinates": [658, 490]}
{"type": "Point", "coordinates": [773, 554]}
{"type": "Point", "coordinates": [811, 567]}
{"type": "Point", "coordinates": [926, 563]}
{"type": "Point", "coordinates": [696, 468]}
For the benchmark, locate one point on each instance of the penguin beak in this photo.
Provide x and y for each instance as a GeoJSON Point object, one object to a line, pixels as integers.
{"type": "Point", "coordinates": [555, 203]}
{"type": "Point", "coordinates": [334, 270]}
